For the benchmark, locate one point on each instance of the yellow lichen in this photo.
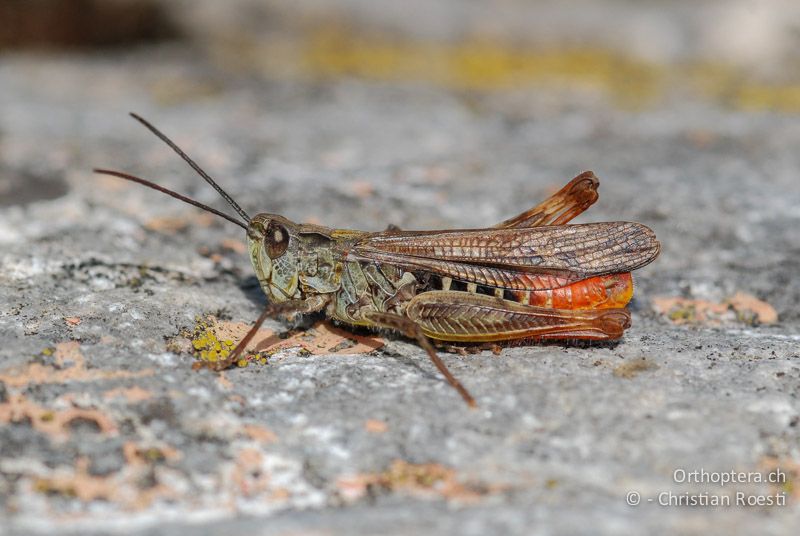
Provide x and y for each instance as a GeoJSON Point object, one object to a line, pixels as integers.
{"type": "Point", "coordinates": [683, 314]}
{"type": "Point", "coordinates": [788, 487]}
{"type": "Point", "coordinates": [153, 454]}
{"type": "Point", "coordinates": [785, 98]}
{"type": "Point", "coordinates": [51, 487]}
{"type": "Point", "coordinates": [482, 65]}
{"type": "Point", "coordinates": [487, 64]}
{"type": "Point", "coordinates": [210, 348]}
{"type": "Point", "coordinates": [632, 368]}
{"type": "Point", "coordinates": [206, 344]}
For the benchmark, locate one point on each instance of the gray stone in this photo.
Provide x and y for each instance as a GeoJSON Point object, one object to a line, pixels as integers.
{"type": "Point", "coordinates": [307, 443]}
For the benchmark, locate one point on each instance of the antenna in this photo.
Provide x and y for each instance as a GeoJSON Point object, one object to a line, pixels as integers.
{"type": "Point", "coordinates": [194, 166]}
{"type": "Point", "coordinates": [176, 195]}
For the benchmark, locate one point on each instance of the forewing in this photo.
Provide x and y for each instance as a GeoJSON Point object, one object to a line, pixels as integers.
{"type": "Point", "coordinates": [518, 259]}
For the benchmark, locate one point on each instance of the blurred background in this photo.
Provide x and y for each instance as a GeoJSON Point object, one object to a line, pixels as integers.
{"type": "Point", "coordinates": [424, 114]}
{"type": "Point", "coordinates": [742, 52]}
{"type": "Point", "coordinates": [352, 113]}
{"type": "Point", "coordinates": [71, 68]}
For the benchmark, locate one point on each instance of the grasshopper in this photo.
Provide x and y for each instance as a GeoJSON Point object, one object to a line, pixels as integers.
{"type": "Point", "coordinates": [531, 278]}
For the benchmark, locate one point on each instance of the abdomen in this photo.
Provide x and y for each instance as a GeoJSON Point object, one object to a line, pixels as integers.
{"type": "Point", "coordinates": [600, 292]}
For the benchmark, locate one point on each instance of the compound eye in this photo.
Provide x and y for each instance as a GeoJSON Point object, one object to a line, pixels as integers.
{"type": "Point", "coordinates": [276, 240]}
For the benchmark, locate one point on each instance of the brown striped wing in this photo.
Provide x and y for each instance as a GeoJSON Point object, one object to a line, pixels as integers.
{"type": "Point", "coordinates": [516, 259]}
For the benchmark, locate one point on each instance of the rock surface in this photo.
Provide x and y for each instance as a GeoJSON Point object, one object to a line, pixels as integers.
{"type": "Point", "coordinates": [105, 426]}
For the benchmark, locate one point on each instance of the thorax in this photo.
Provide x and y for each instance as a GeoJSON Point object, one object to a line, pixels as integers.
{"type": "Point", "coordinates": [368, 286]}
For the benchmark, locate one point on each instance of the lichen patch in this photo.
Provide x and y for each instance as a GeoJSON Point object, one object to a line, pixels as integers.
{"type": "Point", "coordinates": [741, 308]}
{"type": "Point", "coordinates": [213, 340]}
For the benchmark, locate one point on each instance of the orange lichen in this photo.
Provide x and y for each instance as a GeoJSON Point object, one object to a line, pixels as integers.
{"type": "Point", "coordinates": [236, 246]}
{"type": "Point", "coordinates": [123, 488]}
{"type": "Point", "coordinates": [55, 423]}
{"type": "Point", "coordinates": [361, 189]}
{"type": "Point", "coordinates": [375, 426]}
{"type": "Point", "coordinates": [248, 475]}
{"type": "Point", "coordinates": [176, 224]}
{"type": "Point", "coordinates": [259, 433]}
{"type": "Point", "coordinates": [131, 394]}
{"type": "Point", "coordinates": [70, 365]}
{"type": "Point", "coordinates": [751, 310]}
{"type": "Point", "coordinates": [427, 480]}
{"type": "Point", "coordinates": [79, 484]}
{"type": "Point", "coordinates": [224, 382]}
{"type": "Point", "coordinates": [741, 307]}
{"type": "Point", "coordinates": [786, 475]}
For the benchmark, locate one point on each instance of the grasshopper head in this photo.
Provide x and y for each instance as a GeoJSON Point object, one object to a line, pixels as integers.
{"type": "Point", "coordinates": [273, 242]}
{"type": "Point", "coordinates": [284, 254]}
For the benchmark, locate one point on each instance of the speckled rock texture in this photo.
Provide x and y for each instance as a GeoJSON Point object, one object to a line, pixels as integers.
{"type": "Point", "coordinates": [106, 427]}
